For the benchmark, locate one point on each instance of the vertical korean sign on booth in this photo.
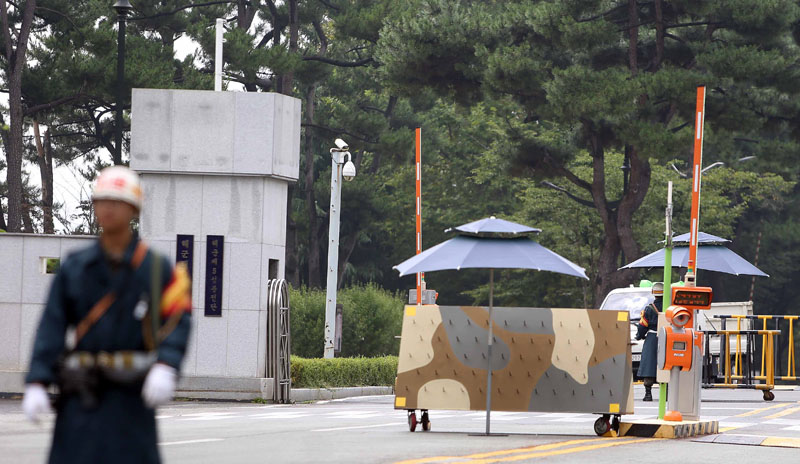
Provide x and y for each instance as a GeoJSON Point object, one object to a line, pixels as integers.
{"type": "Point", "coordinates": [185, 252]}
{"type": "Point", "coordinates": [215, 245]}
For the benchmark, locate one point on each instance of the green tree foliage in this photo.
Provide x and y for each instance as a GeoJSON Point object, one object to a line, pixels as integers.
{"type": "Point", "coordinates": [371, 320]}
{"type": "Point", "coordinates": [572, 77]}
{"type": "Point", "coordinates": [509, 94]}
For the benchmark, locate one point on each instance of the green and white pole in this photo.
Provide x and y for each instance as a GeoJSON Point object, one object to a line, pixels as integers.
{"type": "Point", "coordinates": [667, 296]}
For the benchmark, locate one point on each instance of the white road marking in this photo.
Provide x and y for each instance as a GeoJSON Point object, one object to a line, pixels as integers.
{"type": "Point", "coordinates": [575, 419]}
{"type": "Point", "coordinates": [362, 414]}
{"type": "Point", "coordinates": [794, 428]}
{"type": "Point", "coordinates": [737, 425]}
{"type": "Point", "coordinates": [189, 442]}
{"type": "Point", "coordinates": [209, 416]}
{"type": "Point", "coordinates": [361, 427]}
{"type": "Point", "coordinates": [783, 422]}
{"type": "Point", "coordinates": [704, 408]}
{"type": "Point", "coordinates": [281, 415]}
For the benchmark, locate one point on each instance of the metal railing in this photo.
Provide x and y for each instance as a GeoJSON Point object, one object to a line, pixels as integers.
{"type": "Point", "coordinates": [279, 340]}
{"type": "Point", "coordinates": [740, 367]}
{"type": "Point", "coordinates": [791, 368]}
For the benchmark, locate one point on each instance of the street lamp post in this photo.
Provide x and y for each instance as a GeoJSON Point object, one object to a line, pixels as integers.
{"type": "Point", "coordinates": [341, 167]}
{"type": "Point", "coordinates": [123, 7]}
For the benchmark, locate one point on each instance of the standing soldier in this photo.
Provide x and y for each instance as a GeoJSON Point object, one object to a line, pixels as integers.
{"type": "Point", "coordinates": [647, 329]}
{"type": "Point", "coordinates": [112, 337]}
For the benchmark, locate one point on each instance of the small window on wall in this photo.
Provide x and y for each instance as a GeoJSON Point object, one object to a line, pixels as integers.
{"type": "Point", "coordinates": [49, 265]}
{"type": "Point", "coordinates": [273, 268]}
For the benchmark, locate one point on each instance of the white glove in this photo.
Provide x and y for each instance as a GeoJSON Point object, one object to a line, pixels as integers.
{"type": "Point", "coordinates": [35, 401]}
{"type": "Point", "coordinates": [159, 385]}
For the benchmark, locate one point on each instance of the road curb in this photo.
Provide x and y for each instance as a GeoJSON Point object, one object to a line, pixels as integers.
{"type": "Point", "coordinates": [752, 440]}
{"type": "Point", "coordinates": [302, 395]}
{"type": "Point", "coordinates": [666, 429]}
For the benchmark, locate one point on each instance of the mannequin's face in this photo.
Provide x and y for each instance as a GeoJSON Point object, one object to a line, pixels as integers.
{"type": "Point", "coordinates": [113, 216]}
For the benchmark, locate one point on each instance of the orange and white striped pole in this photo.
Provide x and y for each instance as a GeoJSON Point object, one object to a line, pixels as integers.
{"type": "Point", "coordinates": [696, 173]}
{"type": "Point", "coordinates": [420, 275]}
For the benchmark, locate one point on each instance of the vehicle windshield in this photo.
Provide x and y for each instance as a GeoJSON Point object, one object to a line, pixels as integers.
{"type": "Point", "coordinates": [634, 303]}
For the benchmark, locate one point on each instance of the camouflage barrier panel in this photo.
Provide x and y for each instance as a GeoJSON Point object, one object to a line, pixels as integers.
{"type": "Point", "coordinates": [543, 359]}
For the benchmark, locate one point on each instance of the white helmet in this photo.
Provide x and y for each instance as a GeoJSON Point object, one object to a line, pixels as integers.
{"type": "Point", "coordinates": [118, 183]}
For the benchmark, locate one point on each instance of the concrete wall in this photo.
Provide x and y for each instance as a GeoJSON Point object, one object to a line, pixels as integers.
{"type": "Point", "coordinates": [24, 290]}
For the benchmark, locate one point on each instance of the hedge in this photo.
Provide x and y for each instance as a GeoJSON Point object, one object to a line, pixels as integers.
{"type": "Point", "coordinates": [343, 372]}
{"type": "Point", "coordinates": [372, 318]}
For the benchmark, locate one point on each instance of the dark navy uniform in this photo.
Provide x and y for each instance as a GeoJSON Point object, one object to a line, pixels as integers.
{"type": "Point", "coordinates": [647, 330]}
{"type": "Point", "coordinates": [119, 428]}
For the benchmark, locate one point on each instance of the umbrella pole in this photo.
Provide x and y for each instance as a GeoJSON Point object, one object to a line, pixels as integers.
{"type": "Point", "coordinates": [489, 352]}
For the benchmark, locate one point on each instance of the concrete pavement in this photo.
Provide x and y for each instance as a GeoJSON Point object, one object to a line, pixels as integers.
{"type": "Point", "coordinates": [369, 430]}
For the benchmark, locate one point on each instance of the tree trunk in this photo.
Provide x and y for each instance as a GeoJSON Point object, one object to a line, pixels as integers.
{"type": "Point", "coordinates": [44, 159]}
{"type": "Point", "coordinates": [633, 37]}
{"type": "Point", "coordinates": [15, 64]}
{"type": "Point", "coordinates": [348, 244]}
{"type": "Point", "coordinates": [291, 273]}
{"type": "Point", "coordinates": [27, 221]}
{"type": "Point", "coordinates": [344, 258]}
{"type": "Point", "coordinates": [245, 14]}
{"type": "Point", "coordinates": [294, 26]}
{"type": "Point", "coordinates": [617, 223]}
{"type": "Point", "coordinates": [5, 138]}
{"type": "Point", "coordinates": [660, 34]}
{"type": "Point", "coordinates": [14, 153]}
{"type": "Point", "coordinates": [313, 257]}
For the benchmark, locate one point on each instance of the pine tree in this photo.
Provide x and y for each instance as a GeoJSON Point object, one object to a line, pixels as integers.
{"type": "Point", "coordinates": [600, 76]}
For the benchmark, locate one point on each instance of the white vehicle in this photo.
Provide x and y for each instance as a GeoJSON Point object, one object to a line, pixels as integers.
{"type": "Point", "coordinates": [635, 299]}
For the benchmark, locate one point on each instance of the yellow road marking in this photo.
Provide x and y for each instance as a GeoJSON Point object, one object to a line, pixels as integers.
{"type": "Point", "coordinates": [548, 449]}
{"type": "Point", "coordinates": [727, 429]}
{"type": "Point", "coordinates": [782, 441]}
{"type": "Point", "coordinates": [785, 412]}
{"type": "Point", "coordinates": [520, 457]}
{"type": "Point", "coordinates": [759, 411]}
{"type": "Point", "coordinates": [432, 459]}
{"type": "Point", "coordinates": [544, 447]}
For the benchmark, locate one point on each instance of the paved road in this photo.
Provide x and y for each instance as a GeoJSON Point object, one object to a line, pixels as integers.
{"type": "Point", "coordinates": [368, 430]}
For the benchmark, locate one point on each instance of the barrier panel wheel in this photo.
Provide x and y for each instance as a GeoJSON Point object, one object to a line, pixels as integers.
{"type": "Point", "coordinates": [615, 423]}
{"type": "Point", "coordinates": [426, 422]}
{"type": "Point", "coordinates": [412, 421]}
{"type": "Point", "coordinates": [602, 425]}
{"type": "Point", "coordinates": [768, 395]}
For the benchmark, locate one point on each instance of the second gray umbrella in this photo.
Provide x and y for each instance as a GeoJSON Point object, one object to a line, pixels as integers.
{"type": "Point", "coordinates": [711, 256]}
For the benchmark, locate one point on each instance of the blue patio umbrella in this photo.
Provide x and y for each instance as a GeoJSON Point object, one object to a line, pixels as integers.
{"type": "Point", "coordinates": [711, 256]}
{"type": "Point", "coordinates": [466, 252]}
{"type": "Point", "coordinates": [490, 243]}
{"type": "Point", "coordinates": [493, 226]}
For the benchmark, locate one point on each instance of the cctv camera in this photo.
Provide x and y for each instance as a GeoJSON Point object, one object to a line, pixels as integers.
{"type": "Point", "coordinates": [349, 171]}
{"type": "Point", "coordinates": [342, 144]}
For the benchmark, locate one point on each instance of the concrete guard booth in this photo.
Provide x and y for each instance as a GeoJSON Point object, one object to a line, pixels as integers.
{"type": "Point", "coordinates": [215, 169]}
{"type": "Point", "coordinates": [544, 360]}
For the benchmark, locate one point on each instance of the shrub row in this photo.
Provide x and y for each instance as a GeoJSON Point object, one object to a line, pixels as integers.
{"type": "Point", "coordinates": [343, 372]}
{"type": "Point", "coordinates": [372, 317]}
